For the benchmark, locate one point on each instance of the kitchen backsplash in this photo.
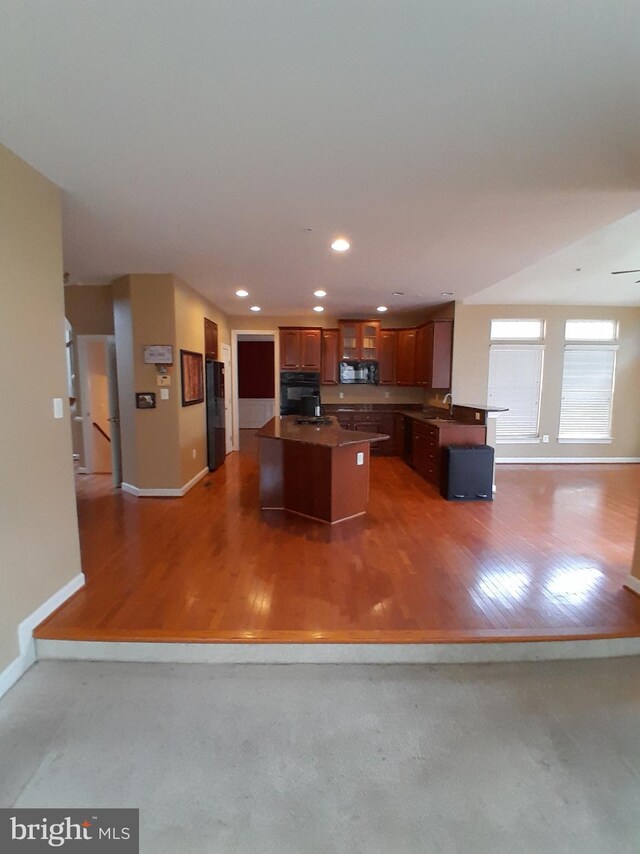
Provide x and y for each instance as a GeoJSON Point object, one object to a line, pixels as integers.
{"type": "Point", "coordinates": [370, 394]}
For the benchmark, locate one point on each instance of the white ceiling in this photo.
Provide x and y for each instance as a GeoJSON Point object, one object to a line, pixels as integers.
{"type": "Point", "coordinates": [456, 143]}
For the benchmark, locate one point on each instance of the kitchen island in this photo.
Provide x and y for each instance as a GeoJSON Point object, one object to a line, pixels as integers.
{"type": "Point", "coordinates": [315, 470]}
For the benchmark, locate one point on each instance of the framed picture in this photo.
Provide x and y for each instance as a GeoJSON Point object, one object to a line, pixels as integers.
{"type": "Point", "coordinates": [192, 368]}
{"type": "Point", "coordinates": [145, 400]}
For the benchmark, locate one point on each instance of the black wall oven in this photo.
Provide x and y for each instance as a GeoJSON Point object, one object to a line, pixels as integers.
{"type": "Point", "coordinates": [295, 385]}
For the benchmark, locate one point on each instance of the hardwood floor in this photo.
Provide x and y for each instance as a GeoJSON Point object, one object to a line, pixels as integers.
{"type": "Point", "coordinates": [546, 559]}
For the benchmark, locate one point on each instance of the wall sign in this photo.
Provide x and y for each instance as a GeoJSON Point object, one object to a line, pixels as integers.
{"type": "Point", "coordinates": [158, 354]}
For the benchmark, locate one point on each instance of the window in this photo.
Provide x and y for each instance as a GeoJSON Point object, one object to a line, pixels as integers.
{"type": "Point", "coordinates": [587, 393]}
{"type": "Point", "coordinates": [515, 381]}
{"type": "Point", "coordinates": [517, 330]}
{"type": "Point", "coordinates": [591, 330]}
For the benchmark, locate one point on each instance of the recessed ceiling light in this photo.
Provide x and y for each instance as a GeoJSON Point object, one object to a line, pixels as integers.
{"type": "Point", "coordinates": [242, 293]}
{"type": "Point", "coordinates": [447, 293]}
{"type": "Point", "coordinates": [340, 245]}
{"type": "Point", "coordinates": [320, 293]}
{"type": "Point", "coordinates": [397, 294]}
{"type": "Point", "coordinates": [255, 308]}
{"type": "Point", "coordinates": [381, 308]}
{"type": "Point", "coordinates": [318, 308]}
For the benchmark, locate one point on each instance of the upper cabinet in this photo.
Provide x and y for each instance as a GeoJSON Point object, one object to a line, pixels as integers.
{"type": "Point", "coordinates": [387, 357]}
{"type": "Point", "coordinates": [406, 357]}
{"type": "Point", "coordinates": [358, 340]}
{"type": "Point", "coordinates": [300, 348]}
{"type": "Point", "coordinates": [434, 341]}
{"type": "Point", "coordinates": [329, 374]}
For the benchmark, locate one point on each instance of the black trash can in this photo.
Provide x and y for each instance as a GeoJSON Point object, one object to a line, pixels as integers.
{"type": "Point", "coordinates": [467, 473]}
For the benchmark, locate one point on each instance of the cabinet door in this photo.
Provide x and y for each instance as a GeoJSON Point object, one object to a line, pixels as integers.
{"type": "Point", "coordinates": [406, 357]}
{"type": "Point", "coordinates": [329, 375]}
{"type": "Point", "coordinates": [441, 353]}
{"type": "Point", "coordinates": [349, 340]}
{"type": "Point", "coordinates": [387, 358]}
{"type": "Point", "coordinates": [369, 339]}
{"type": "Point", "coordinates": [290, 349]}
{"type": "Point", "coordinates": [421, 356]}
{"type": "Point", "coordinates": [310, 346]}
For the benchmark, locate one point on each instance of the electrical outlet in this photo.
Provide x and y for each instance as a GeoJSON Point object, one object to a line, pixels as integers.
{"type": "Point", "coordinates": [164, 394]}
{"type": "Point", "coordinates": [58, 408]}
{"type": "Point", "coordinates": [386, 394]}
{"type": "Point", "coordinates": [193, 453]}
{"type": "Point", "coordinates": [545, 438]}
{"type": "Point", "coordinates": [477, 416]}
{"type": "Point", "coordinates": [341, 395]}
{"type": "Point", "coordinates": [360, 458]}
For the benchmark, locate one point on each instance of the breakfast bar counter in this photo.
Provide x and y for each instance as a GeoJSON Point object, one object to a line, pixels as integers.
{"type": "Point", "coordinates": [317, 470]}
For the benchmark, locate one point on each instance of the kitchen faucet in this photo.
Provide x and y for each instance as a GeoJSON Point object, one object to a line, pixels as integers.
{"type": "Point", "coordinates": [444, 400]}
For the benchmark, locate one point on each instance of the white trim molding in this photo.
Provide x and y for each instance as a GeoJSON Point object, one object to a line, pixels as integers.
{"type": "Point", "coordinates": [164, 493]}
{"type": "Point", "coordinates": [571, 460]}
{"type": "Point", "coordinates": [633, 584]}
{"type": "Point", "coordinates": [26, 644]}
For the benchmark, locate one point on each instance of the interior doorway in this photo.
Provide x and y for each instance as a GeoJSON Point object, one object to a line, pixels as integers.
{"type": "Point", "coordinates": [98, 405]}
{"type": "Point", "coordinates": [256, 386]}
{"type": "Point", "coordinates": [228, 414]}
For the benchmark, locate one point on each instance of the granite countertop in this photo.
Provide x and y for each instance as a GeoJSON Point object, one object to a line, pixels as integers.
{"type": "Point", "coordinates": [429, 418]}
{"type": "Point", "coordinates": [284, 427]}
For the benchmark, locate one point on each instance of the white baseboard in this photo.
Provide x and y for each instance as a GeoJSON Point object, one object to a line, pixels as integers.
{"type": "Point", "coordinates": [572, 460]}
{"type": "Point", "coordinates": [632, 583]}
{"type": "Point", "coordinates": [26, 643]}
{"type": "Point", "coordinates": [163, 493]}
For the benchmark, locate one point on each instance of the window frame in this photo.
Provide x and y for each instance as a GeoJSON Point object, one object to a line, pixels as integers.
{"type": "Point", "coordinates": [595, 346]}
{"type": "Point", "coordinates": [600, 341]}
{"type": "Point", "coordinates": [521, 345]}
{"type": "Point", "coordinates": [529, 340]}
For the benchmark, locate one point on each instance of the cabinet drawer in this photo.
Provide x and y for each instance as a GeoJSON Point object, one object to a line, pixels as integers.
{"type": "Point", "coordinates": [367, 416]}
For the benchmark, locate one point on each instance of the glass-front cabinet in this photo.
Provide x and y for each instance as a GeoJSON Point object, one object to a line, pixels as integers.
{"type": "Point", "coordinates": [359, 340]}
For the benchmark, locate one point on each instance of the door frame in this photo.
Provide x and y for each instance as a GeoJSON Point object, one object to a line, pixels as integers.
{"type": "Point", "coordinates": [225, 352]}
{"type": "Point", "coordinates": [235, 407]}
{"type": "Point", "coordinates": [81, 342]}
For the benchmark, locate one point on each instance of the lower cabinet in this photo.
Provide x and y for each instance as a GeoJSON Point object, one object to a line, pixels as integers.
{"type": "Point", "coordinates": [376, 421]}
{"type": "Point", "coordinates": [429, 440]}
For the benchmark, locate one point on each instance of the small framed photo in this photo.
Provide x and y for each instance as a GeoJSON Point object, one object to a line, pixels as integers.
{"type": "Point", "coordinates": [145, 400]}
{"type": "Point", "coordinates": [192, 368]}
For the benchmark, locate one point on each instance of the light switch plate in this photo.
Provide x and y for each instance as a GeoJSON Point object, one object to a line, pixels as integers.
{"type": "Point", "coordinates": [164, 394]}
{"type": "Point", "coordinates": [360, 458]}
{"type": "Point", "coordinates": [58, 407]}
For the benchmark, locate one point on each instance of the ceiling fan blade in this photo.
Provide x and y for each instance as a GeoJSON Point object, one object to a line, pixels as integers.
{"type": "Point", "coordinates": [619, 272]}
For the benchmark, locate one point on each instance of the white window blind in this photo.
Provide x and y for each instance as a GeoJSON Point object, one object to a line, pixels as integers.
{"type": "Point", "coordinates": [515, 381]}
{"type": "Point", "coordinates": [587, 392]}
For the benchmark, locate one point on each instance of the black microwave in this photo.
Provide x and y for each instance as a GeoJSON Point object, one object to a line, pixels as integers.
{"type": "Point", "coordinates": [359, 372]}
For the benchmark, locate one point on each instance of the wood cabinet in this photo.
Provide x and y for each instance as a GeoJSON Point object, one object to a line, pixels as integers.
{"type": "Point", "coordinates": [300, 348]}
{"type": "Point", "coordinates": [434, 342]}
{"type": "Point", "coordinates": [429, 440]}
{"type": "Point", "coordinates": [375, 421]}
{"type": "Point", "coordinates": [359, 340]}
{"type": "Point", "coordinates": [387, 357]}
{"type": "Point", "coordinates": [329, 371]}
{"type": "Point", "coordinates": [210, 339]}
{"type": "Point", "coordinates": [406, 357]}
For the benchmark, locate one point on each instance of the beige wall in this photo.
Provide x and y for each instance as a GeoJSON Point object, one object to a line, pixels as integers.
{"type": "Point", "coordinates": [158, 444]}
{"type": "Point", "coordinates": [39, 550]}
{"type": "Point", "coordinates": [471, 374]}
{"type": "Point", "coordinates": [190, 310]}
{"type": "Point", "coordinates": [89, 309]}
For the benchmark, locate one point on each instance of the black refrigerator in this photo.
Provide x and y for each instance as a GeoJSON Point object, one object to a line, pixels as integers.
{"type": "Point", "coordinates": [216, 440]}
